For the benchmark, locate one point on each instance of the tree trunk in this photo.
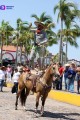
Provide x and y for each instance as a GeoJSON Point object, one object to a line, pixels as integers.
{"type": "Point", "coordinates": [61, 46]}
{"type": "Point", "coordinates": [16, 52]}
{"type": "Point", "coordinates": [66, 50]}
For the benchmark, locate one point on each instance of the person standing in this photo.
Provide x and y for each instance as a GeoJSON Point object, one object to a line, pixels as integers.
{"type": "Point", "coordinates": [19, 66]}
{"type": "Point", "coordinates": [15, 78]}
{"type": "Point", "coordinates": [61, 71]}
{"type": "Point", "coordinates": [2, 77]}
{"type": "Point", "coordinates": [78, 78]}
{"type": "Point", "coordinates": [9, 72]}
{"type": "Point", "coordinates": [71, 77]}
{"type": "Point", "coordinates": [66, 68]}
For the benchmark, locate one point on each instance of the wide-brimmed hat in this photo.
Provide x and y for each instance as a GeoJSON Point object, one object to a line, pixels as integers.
{"type": "Point", "coordinates": [67, 64]}
{"type": "Point", "coordinates": [37, 23]}
{"type": "Point", "coordinates": [73, 63]}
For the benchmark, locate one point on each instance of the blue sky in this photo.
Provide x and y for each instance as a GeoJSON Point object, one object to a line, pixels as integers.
{"type": "Point", "coordinates": [25, 8]}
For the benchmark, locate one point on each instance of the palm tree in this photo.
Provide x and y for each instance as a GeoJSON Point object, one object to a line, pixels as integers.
{"type": "Point", "coordinates": [5, 33]}
{"type": "Point", "coordinates": [64, 9]}
{"type": "Point", "coordinates": [43, 18]}
{"type": "Point", "coordinates": [69, 36]}
{"type": "Point", "coordinates": [52, 37]}
{"type": "Point", "coordinates": [72, 15]}
{"type": "Point", "coordinates": [22, 37]}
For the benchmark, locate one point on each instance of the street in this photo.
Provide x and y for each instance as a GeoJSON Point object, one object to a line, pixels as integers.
{"type": "Point", "coordinates": [53, 110]}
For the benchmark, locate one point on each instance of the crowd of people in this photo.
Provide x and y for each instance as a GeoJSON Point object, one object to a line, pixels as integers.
{"type": "Point", "coordinates": [11, 74]}
{"type": "Point", "coordinates": [68, 74]}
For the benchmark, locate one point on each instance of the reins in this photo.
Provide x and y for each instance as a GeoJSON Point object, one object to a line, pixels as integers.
{"type": "Point", "coordinates": [44, 85]}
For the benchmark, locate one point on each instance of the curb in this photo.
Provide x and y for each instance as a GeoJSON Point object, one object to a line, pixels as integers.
{"type": "Point", "coordinates": [66, 97]}
{"type": "Point", "coordinates": [9, 84]}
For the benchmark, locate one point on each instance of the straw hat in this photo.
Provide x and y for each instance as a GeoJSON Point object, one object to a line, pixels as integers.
{"type": "Point", "coordinates": [73, 63]}
{"type": "Point", "coordinates": [40, 23]}
{"type": "Point", "coordinates": [67, 65]}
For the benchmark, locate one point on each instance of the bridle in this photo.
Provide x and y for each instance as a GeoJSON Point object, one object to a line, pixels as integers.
{"type": "Point", "coordinates": [45, 86]}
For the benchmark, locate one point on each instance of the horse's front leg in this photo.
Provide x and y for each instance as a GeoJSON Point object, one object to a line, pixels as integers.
{"type": "Point", "coordinates": [43, 102]}
{"type": "Point", "coordinates": [16, 103]}
{"type": "Point", "coordinates": [17, 96]}
{"type": "Point", "coordinates": [26, 95]}
{"type": "Point", "coordinates": [37, 100]}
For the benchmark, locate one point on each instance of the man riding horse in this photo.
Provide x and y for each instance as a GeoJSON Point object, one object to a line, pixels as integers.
{"type": "Point", "coordinates": [40, 38]}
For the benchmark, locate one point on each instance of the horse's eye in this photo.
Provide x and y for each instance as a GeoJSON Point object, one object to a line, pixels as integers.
{"type": "Point", "coordinates": [53, 68]}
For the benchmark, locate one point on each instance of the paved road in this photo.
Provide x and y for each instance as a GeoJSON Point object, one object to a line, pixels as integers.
{"type": "Point", "coordinates": [54, 110]}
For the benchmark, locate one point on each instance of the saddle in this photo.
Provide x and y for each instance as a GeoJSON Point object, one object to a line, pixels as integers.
{"type": "Point", "coordinates": [34, 78]}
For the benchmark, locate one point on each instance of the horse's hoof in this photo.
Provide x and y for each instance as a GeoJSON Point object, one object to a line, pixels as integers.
{"type": "Point", "coordinates": [42, 114]}
{"type": "Point", "coordinates": [24, 108]}
{"type": "Point", "coordinates": [42, 111]}
{"type": "Point", "coordinates": [36, 111]}
{"type": "Point", "coordinates": [15, 108]}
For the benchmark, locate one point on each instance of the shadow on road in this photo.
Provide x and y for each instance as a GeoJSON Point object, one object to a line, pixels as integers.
{"type": "Point", "coordinates": [65, 116]}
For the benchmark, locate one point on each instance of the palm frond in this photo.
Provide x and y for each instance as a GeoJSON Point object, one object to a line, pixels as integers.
{"type": "Point", "coordinates": [35, 16]}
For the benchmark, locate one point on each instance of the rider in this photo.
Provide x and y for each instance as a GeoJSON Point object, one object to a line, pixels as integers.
{"type": "Point", "coordinates": [39, 39]}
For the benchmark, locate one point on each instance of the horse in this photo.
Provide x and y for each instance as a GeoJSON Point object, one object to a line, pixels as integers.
{"type": "Point", "coordinates": [41, 87]}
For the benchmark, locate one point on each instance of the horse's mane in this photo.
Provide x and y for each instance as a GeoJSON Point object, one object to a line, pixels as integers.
{"type": "Point", "coordinates": [47, 72]}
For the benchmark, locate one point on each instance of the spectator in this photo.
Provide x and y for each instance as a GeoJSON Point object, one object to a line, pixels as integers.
{"type": "Point", "coordinates": [2, 77]}
{"type": "Point", "coordinates": [71, 77]}
{"type": "Point", "coordinates": [66, 75]}
{"type": "Point", "coordinates": [19, 66]}
{"type": "Point", "coordinates": [15, 78]}
{"type": "Point", "coordinates": [78, 78]}
{"type": "Point", "coordinates": [61, 71]}
{"type": "Point", "coordinates": [9, 72]}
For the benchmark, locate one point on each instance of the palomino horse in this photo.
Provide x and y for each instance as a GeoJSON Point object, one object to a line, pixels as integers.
{"type": "Point", "coordinates": [42, 86]}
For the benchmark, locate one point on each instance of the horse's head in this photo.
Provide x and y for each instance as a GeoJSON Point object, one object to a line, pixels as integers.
{"type": "Point", "coordinates": [54, 70]}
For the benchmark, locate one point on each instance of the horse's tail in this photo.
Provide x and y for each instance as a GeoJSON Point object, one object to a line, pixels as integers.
{"type": "Point", "coordinates": [23, 97]}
